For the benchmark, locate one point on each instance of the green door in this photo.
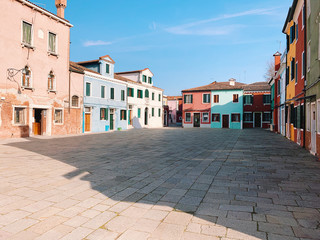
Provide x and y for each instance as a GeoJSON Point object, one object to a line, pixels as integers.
{"type": "Point", "coordinates": [111, 122]}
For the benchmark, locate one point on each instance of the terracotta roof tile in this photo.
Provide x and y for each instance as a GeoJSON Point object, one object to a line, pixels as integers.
{"type": "Point", "coordinates": [174, 97]}
{"type": "Point", "coordinates": [216, 86]}
{"type": "Point", "coordinates": [257, 86]}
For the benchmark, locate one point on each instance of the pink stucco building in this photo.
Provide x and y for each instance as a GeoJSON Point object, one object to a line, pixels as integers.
{"type": "Point", "coordinates": [175, 110]}
{"type": "Point", "coordinates": [40, 93]}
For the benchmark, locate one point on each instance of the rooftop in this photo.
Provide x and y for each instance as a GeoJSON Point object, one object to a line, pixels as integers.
{"type": "Point", "coordinates": [217, 86]}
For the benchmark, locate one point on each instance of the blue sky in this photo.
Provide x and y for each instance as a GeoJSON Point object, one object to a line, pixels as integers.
{"type": "Point", "coordinates": [185, 43]}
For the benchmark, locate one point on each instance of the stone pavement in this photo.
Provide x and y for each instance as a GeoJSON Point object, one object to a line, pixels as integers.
{"type": "Point", "coordinates": [159, 184]}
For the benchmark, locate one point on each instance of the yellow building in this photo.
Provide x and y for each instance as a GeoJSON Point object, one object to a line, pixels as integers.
{"type": "Point", "coordinates": [290, 30]}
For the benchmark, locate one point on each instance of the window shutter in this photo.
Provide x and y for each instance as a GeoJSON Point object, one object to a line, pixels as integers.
{"type": "Point", "coordinates": [251, 99]}
{"type": "Point", "coordinates": [107, 114]}
{"type": "Point", "coordinates": [191, 98]}
{"type": "Point", "coordinates": [107, 68]}
{"type": "Point", "coordinates": [185, 98]}
{"type": "Point", "coordinates": [112, 93]}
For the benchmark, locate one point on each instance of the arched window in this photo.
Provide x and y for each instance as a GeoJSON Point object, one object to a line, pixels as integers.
{"type": "Point", "coordinates": [26, 77]}
{"type": "Point", "coordinates": [146, 93]}
{"type": "Point", "coordinates": [75, 101]}
{"type": "Point", "coordinates": [51, 81]}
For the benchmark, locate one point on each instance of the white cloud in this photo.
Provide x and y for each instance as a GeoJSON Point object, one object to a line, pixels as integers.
{"type": "Point", "coordinates": [96, 43]}
{"type": "Point", "coordinates": [190, 28]}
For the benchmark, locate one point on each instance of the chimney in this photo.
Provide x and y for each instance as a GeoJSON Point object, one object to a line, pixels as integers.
{"type": "Point", "coordinates": [61, 5]}
{"type": "Point", "coordinates": [277, 61]}
{"type": "Point", "coordinates": [232, 81]}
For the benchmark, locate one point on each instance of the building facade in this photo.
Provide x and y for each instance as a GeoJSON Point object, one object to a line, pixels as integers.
{"type": "Point", "coordinates": [36, 86]}
{"type": "Point", "coordinates": [105, 98]}
{"type": "Point", "coordinates": [312, 133]}
{"type": "Point", "coordinates": [144, 102]}
{"type": "Point", "coordinates": [175, 110]}
{"type": "Point", "coordinates": [257, 105]}
{"type": "Point", "coordinates": [217, 105]}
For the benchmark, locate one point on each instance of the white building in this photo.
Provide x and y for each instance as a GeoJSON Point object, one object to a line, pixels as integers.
{"type": "Point", "coordinates": [144, 101]}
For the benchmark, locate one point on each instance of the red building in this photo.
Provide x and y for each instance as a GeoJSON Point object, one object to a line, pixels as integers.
{"type": "Point", "coordinates": [257, 105]}
{"type": "Point", "coordinates": [196, 108]}
{"type": "Point", "coordinates": [298, 112]}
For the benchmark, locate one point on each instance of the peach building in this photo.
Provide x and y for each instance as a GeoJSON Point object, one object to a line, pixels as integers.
{"type": "Point", "coordinates": [40, 93]}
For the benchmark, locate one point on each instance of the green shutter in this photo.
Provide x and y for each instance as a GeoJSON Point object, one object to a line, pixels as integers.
{"type": "Point", "coordinates": [122, 95]}
{"type": "Point", "coordinates": [107, 114]}
{"type": "Point", "coordinates": [152, 112]}
{"type": "Point", "coordinates": [88, 89]}
{"type": "Point", "coordinates": [139, 112]}
{"type": "Point", "coordinates": [112, 93]}
{"type": "Point", "coordinates": [159, 112]}
{"type": "Point", "coordinates": [191, 98]}
{"type": "Point", "coordinates": [185, 98]}
{"type": "Point", "coordinates": [128, 92]}
{"type": "Point", "coordinates": [107, 68]}
{"type": "Point", "coordinates": [152, 96]}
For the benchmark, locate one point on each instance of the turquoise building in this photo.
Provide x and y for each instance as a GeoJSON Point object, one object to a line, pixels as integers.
{"type": "Point", "coordinates": [227, 105]}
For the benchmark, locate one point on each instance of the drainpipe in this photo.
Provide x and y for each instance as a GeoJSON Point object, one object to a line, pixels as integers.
{"type": "Point", "coordinates": [69, 109]}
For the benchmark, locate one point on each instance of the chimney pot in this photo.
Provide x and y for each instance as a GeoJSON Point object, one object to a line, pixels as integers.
{"type": "Point", "coordinates": [61, 5]}
{"type": "Point", "coordinates": [232, 81]}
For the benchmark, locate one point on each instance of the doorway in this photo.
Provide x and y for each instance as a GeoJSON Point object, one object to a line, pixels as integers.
{"type": "Point", "coordinates": [196, 120]}
{"type": "Point", "coordinates": [111, 121]}
{"type": "Point", "coordinates": [257, 120]}
{"type": "Point", "coordinates": [39, 125]}
{"type": "Point", "coordinates": [87, 119]}
{"type": "Point", "coordinates": [146, 116]}
{"type": "Point", "coordinates": [313, 128]}
{"type": "Point", "coordinates": [225, 121]}
{"type": "Point", "coordinates": [130, 117]}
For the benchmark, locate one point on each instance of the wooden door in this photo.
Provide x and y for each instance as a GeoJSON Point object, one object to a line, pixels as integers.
{"type": "Point", "coordinates": [111, 122]}
{"type": "Point", "coordinates": [225, 121]}
{"type": "Point", "coordinates": [257, 120]}
{"type": "Point", "coordinates": [87, 122]}
{"type": "Point", "coordinates": [43, 122]}
{"type": "Point", "coordinates": [196, 120]}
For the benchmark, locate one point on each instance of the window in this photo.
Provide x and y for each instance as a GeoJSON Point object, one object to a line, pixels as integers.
{"type": "Point", "coordinates": [267, 99]}
{"type": "Point", "coordinates": [19, 115]}
{"type": "Point", "coordinates": [139, 112]}
{"type": "Point", "coordinates": [103, 114]}
{"type": "Point", "coordinates": [205, 116]}
{"type": "Point", "coordinates": [140, 93]}
{"type": "Point", "coordinates": [292, 33]}
{"type": "Point", "coordinates": [144, 78]}
{"type": "Point", "coordinates": [153, 96]}
{"type": "Point", "coordinates": [75, 101]}
{"type": "Point", "coordinates": [188, 98]}
{"type": "Point", "coordinates": [302, 65]}
{"type": "Point", "coordinates": [51, 81]}
{"type": "Point", "coordinates": [159, 112]}
{"type": "Point", "coordinates": [150, 80]}
{"type": "Point", "coordinates": [235, 98]}
{"type": "Point", "coordinates": [152, 112]}
{"type": "Point", "coordinates": [111, 93]}
{"type": "Point", "coordinates": [188, 117]}
{"type": "Point", "coordinates": [103, 92]}
{"type": "Point", "coordinates": [266, 117]}
{"type": "Point", "coordinates": [248, 117]}
{"type": "Point", "coordinates": [248, 99]}
{"type": "Point", "coordinates": [123, 95]}
{"type": "Point", "coordinates": [123, 115]}
{"type": "Point", "coordinates": [216, 98]}
{"type": "Point", "coordinates": [159, 97]}
{"type": "Point", "coordinates": [146, 93]}
{"type": "Point", "coordinates": [287, 75]}
{"type": "Point", "coordinates": [206, 98]}
{"type": "Point", "coordinates": [215, 117]}
{"type": "Point", "coordinates": [235, 117]}
{"type": "Point", "coordinates": [88, 89]}
{"type": "Point", "coordinates": [107, 68]}
{"type": "Point", "coordinates": [279, 87]}
{"type": "Point", "coordinates": [26, 77]}
{"type": "Point", "coordinates": [130, 92]}
{"type": "Point", "coordinates": [58, 116]}
{"type": "Point", "coordinates": [52, 43]}
{"type": "Point", "coordinates": [27, 33]}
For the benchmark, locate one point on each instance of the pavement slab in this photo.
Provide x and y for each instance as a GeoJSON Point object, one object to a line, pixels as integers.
{"type": "Point", "coordinates": [163, 184]}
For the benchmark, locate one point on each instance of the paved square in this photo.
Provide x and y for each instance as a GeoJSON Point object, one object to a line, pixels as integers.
{"type": "Point", "coordinates": [159, 184]}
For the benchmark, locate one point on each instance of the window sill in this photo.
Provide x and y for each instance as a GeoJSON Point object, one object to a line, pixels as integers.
{"type": "Point", "coordinates": [247, 104]}
{"type": "Point", "coordinates": [26, 45]}
{"type": "Point", "coordinates": [27, 88]}
{"type": "Point", "coordinates": [52, 91]}
{"type": "Point", "coordinates": [19, 125]}
{"type": "Point", "coordinates": [53, 54]}
{"type": "Point", "coordinates": [58, 124]}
